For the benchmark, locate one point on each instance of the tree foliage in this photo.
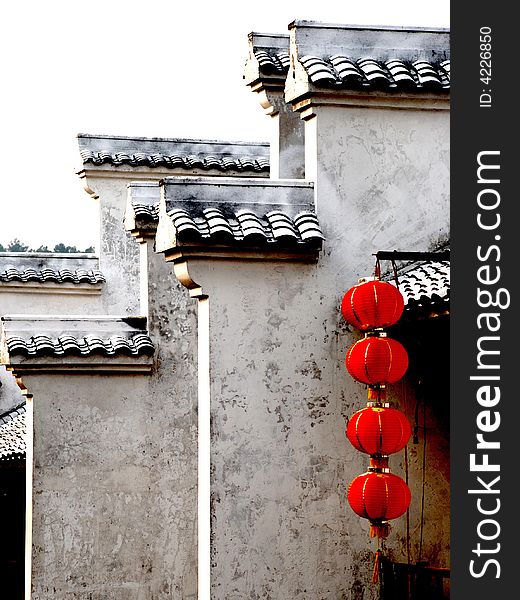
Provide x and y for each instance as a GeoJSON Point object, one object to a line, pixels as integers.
{"type": "Point", "coordinates": [16, 245]}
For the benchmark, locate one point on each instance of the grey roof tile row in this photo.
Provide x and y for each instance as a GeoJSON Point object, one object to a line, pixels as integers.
{"type": "Point", "coordinates": [13, 433]}
{"type": "Point", "coordinates": [135, 345]}
{"type": "Point", "coordinates": [342, 71]}
{"type": "Point", "coordinates": [173, 161]}
{"type": "Point", "coordinates": [426, 287]}
{"type": "Point", "coordinates": [273, 62]}
{"type": "Point", "coordinates": [48, 275]}
{"type": "Point", "coordinates": [246, 226]}
{"type": "Point", "coordinates": [148, 212]}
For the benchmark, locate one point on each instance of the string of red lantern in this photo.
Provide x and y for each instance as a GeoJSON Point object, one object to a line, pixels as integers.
{"type": "Point", "coordinates": [377, 430]}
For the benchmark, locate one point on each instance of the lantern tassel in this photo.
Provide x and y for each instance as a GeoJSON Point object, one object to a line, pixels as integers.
{"type": "Point", "coordinates": [375, 573]}
{"type": "Point", "coordinates": [380, 530]}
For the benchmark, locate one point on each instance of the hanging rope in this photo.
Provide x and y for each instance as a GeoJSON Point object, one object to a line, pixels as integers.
{"type": "Point", "coordinates": [377, 269]}
{"type": "Point", "coordinates": [396, 278]}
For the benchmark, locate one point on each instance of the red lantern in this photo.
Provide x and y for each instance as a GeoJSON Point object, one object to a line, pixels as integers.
{"type": "Point", "coordinates": [379, 430]}
{"type": "Point", "coordinates": [379, 497]}
{"type": "Point", "coordinates": [372, 304]}
{"type": "Point", "coordinates": [377, 360]}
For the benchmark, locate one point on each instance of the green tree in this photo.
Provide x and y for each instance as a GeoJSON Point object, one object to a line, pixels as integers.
{"type": "Point", "coordinates": [17, 246]}
{"type": "Point", "coordinates": [63, 248]}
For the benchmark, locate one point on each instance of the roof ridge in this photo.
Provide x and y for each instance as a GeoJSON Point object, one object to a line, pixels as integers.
{"type": "Point", "coordinates": [171, 139]}
{"type": "Point", "coordinates": [357, 27]}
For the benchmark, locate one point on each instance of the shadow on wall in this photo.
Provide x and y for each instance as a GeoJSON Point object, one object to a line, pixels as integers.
{"type": "Point", "coordinates": [12, 510]}
{"type": "Point", "coordinates": [400, 581]}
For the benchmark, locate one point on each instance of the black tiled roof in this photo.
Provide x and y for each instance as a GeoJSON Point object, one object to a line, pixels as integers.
{"type": "Point", "coordinates": [12, 433]}
{"type": "Point", "coordinates": [368, 59]}
{"type": "Point", "coordinates": [142, 207]}
{"type": "Point", "coordinates": [273, 61]}
{"type": "Point", "coordinates": [148, 212]}
{"type": "Point", "coordinates": [426, 288]}
{"type": "Point", "coordinates": [245, 216]}
{"type": "Point", "coordinates": [173, 161]}
{"type": "Point", "coordinates": [174, 153]}
{"type": "Point", "coordinates": [75, 344]}
{"type": "Point", "coordinates": [38, 345]}
{"type": "Point", "coordinates": [48, 275]}
{"type": "Point", "coordinates": [245, 225]}
{"type": "Point", "coordinates": [268, 59]}
{"type": "Point", "coordinates": [393, 74]}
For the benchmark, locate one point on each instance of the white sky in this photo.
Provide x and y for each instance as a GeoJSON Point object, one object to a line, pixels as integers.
{"type": "Point", "coordinates": [156, 68]}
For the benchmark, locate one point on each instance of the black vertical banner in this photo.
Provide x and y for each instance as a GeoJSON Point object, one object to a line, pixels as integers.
{"type": "Point", "coordinates": [485, 354]}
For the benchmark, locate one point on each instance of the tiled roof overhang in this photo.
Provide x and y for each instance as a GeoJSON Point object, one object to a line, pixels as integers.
{"type": "Point", "coordinates": [48, 270]}
{"type": "Point", "coordinates": [273, 61]}
{"type": "Point", "coordinates": [268, 59]}
{"type": "Point", "coordinates": [142, 209]}
{"type": "Point", "coordinates": [238, 217]}
{"type": "Point", "coordinates": [52, 275]}
{"type": "Point", "coordinates": [426, 289]}
{"type": "Point", "coordinates": [391, 64]}
{"type": "Point", "coordinates": [13, 433]}
{"type": "Point", "coordinates": [367, 73]}
{"type": "Point", "coordinates": [103, 151]}
{"type": "Point", "coordinates": [33, 342]}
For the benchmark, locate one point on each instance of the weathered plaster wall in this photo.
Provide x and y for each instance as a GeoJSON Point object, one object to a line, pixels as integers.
{"type": "Point", "coordinates": [382, 180]}
{"type": "Point", "coordinates": [287, 143]}
{"type": "Point", "coordinates": [172, 388]}
{"type": "Point", "coordinates": [48, 301]}
{"type": "Point", "coordinates": [281, 524]}
{"type": "Point", "coordinates": [113, 510]}
{"type": "Point", "coordinates": [10, 395]}
{"type": "Point", "coordinates": [282, 527]}
{"type": "Point", "coordinates": [118, 253]}
{"type": "Point", "coordinates": [115, 498]}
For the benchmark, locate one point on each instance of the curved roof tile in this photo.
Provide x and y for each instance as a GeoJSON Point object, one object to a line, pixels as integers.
{"type": "Point", "coordinates": [149, 212]}
{"type": "Point", "coordinates": [394, 74]}
{"type": "Point", "coordinates": [48, 275]}
{"type": "Point", "coordinates": [13, 433]}
{"type": "Point", "coordinates": [137, 344]}
{"type": "Point", "coordinates": [245, 226]}
{"type": "Point", "coordinates": [172, 161]}
{"type": "Point", "coordinates": [425, 287]}
{"type": "Point", "coordinates": [273, 61]}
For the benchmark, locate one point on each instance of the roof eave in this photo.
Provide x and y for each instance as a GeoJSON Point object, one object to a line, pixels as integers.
{"type": "Point", "coordinates": [22, 351]}
{"type": "Point", "coordinates": [291, 196]}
